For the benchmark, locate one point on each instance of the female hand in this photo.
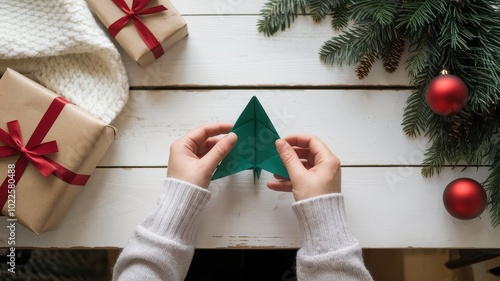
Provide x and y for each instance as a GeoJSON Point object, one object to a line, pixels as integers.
{"type": "Point", "coordinates": [194, 157]}
{"type": "Point", "coordinates": [312, 167]}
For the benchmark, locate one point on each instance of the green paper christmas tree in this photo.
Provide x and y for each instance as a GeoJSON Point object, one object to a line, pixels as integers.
{"type": "Point", "coordinates": [255, 148]}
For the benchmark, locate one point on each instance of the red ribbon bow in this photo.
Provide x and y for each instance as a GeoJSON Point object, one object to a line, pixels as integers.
{"type": "Point", "coordinates": [132, 14]}
{"type": "Point", "coordinates": [34, 151]}
{"type": "Point", "coordinates": [14, 145]}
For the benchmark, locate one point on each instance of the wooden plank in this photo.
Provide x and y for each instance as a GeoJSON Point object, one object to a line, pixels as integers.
{"type": "Point", "coordinates": [219, 7]}
{"type": "Point", "coordinates": [361, 126]}
{"type": "Point", "coordinates": [229, 51]}
{"type": "Point", "coordinates": [386, 208]}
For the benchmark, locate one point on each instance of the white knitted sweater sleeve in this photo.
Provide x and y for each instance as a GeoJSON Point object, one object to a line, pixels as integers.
{"type": "Point", "coordinates": [329, 251]}
{"type": "Point", "coordinates": [162, 247]}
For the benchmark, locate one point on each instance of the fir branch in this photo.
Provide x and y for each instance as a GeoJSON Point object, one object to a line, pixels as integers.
{"type": "Point", "coordinates": [320, 8]}
{"type": "Point", "coordinates": [417, 113]}
{"type": "Point", "coordinates": [480, 136]}
{"type": "Point", "coordinates": [417, 63]}
{"type": "Point", "coordinates": [464, 31]}
{"type": "Point", "coordinates": [492, 186]}
{"type": "Point", "coordinates": [469, 67]}
{"type": "Point", "coordinates": [357, 44]}
{"type": "Point", "coordinates": [379, 11]}
{"type": "Point", "coordinates": [434, 158]}
{"type": "Point", "coordinates": [461, 36]}
{"type": "Point", "coordinates": [340, 17]}
{"type": "Point", "coordinates": [279, 14]}
{"type": "Point", "coordinates": [455, 33]}
{"type": "Point", "coordinates": [424, 63]}
{"type": "Point", "coordinates": [419, 14]}
{"type": "Point", "coordinates": [347, 47]}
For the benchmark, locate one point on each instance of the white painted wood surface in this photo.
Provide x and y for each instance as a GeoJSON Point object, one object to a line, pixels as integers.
{"type": "Point", "coordinates": [388, 203]}
{"type": "Point", "coordinates": [219, 7]}
{"type": "Point", "coordinates": [361, 126]}
{"type": "Point", "coordinates": [229, 51]}
{"type": "Point", "coordinates": [385, 207]}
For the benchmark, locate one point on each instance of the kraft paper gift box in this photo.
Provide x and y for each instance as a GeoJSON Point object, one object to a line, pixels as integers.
{"type": "Point", "coordinates": [33, 120]}
{"type": "Point", "coordinates": [165, 26]}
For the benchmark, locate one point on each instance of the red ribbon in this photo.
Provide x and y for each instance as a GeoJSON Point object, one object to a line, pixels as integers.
{"type": "Point", "coordinates": [132, 14]}
{"type": "Point", "coordinates": [34, 151]}
{"type": "Point", "coordinates": [34, 154]}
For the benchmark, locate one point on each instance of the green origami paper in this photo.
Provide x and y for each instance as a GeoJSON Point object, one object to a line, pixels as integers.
{"type": "Point", "coordinates": [255, 148]}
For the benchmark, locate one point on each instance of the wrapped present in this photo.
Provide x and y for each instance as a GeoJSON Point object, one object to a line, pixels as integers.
{"type": "Point", "coordinates": [48, 149]}
{"type": "Point", "coordinates": [144, 28]}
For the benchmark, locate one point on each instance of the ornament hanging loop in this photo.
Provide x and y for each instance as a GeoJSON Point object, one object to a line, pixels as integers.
{"type": "Point", "coordinates": [444, 71]}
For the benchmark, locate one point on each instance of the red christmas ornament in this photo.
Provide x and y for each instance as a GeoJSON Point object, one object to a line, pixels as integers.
{"type": "Point", "coordinates": [446, 94]}
{"type": "Point", "coordinates": [464, 198]}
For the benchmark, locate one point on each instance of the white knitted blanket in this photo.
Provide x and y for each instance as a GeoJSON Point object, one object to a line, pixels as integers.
{"type": "Point", "coordinates": [59, 44]}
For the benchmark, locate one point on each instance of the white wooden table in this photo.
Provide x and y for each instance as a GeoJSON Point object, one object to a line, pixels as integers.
{"type": "Point", "coordinates": [210, 77]}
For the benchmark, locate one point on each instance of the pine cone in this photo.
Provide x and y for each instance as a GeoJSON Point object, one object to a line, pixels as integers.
{"type": "Point", "coordinates": [393, 55]}
{"type": "Point", "coordinates": [365, 65]}
{"type": "Point", "coordinates": [461, 123]}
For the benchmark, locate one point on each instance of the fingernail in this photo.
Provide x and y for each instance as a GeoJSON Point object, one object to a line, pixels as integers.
{"type": "Point", "coordinates": [231, 138]}
{"type": "Point", "coordinates": [280, 144]}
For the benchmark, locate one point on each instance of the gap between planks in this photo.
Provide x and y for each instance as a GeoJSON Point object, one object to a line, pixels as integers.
{"type": "Point", "coordinates": [343, 166]}
{"type": "Point", "coordinates": [270, 87]}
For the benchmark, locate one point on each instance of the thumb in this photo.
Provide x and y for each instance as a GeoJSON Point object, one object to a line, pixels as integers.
{"type": "Point", "coordinates": [220, 150]}
{"type": "Point", "coordinates": [289, 157]}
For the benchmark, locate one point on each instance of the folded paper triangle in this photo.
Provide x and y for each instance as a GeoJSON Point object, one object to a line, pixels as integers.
{"type": "Point", "coordinates": [255, 148]}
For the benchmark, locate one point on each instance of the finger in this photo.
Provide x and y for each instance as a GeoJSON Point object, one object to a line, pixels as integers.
{"type": "Point", "coordinates": [319, 151]}
{"type": "Point", "coordinates": [207, 145]}
{"type": "Point", "coordinates": [278, 177]}
{"type": "Point", "coordinates": [306, 164]}
{"type": "Point", "coordinates": [302, 153]}
{"type": "Point", "coordinates": [313, 143]}
{"type": "Point", "coordinates": [220, 150]}
{"type": "Point", "coordinates": [199, 135]}
{"type": "Point", "coordinates": [284, 186]}
{"type": "Point", "coordinates": [289, 158]}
